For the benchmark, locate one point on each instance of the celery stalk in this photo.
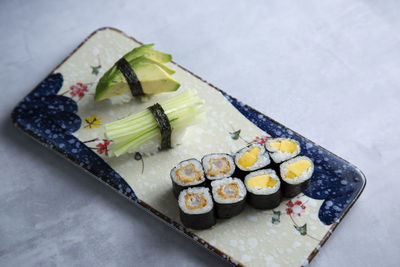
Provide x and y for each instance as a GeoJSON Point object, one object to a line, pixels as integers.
{"type": "Point", "coordinates": [182, 110]}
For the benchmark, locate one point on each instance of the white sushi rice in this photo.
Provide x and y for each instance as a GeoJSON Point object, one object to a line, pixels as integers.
{"type": "Point", "coordinates": [299, 179]}
{"type": "Point", "coordinates": [207, 166]}
{"type": "Point", "coordinates": [215, 185]}
{"type": "Point", "coordinates": [279, 156]}
{"type": "Point", "coordinates": [123, 98]}
{"type": "Point", "coordinates": [263, 191]}
{"type": "Point", "coordinates": [198, 167]}
{"type": "Point", "coordinates": [196, 190]}
{"type": "Point", "coordinates": [151, 147]}
{"type": "Point", "coordinates": [262, 158]}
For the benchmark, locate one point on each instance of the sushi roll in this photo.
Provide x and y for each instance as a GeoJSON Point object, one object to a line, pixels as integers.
{"type": "Point", "coordinates": [282, 149]}
{"type": "Point", "coordinates": [296, 174]}
{"type": "Point", "coordinates": [250, 158]}
{"type": "Point", "coordinates": [196, 208]}
{"type": "Point", "coordinates": [229, 195]}
{"type": "Point", "coordinates": [188, 173]}
{"type": "Point", "coordinates": [218, 166]}
{"type": "Point", "coordinates": [263, 188]}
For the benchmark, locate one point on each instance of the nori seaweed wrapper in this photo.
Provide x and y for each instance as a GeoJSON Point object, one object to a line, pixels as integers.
{"type": "Point", "coordinates": [198, 221]}
{"type": "Point", "coordinates": [292, 190]}
{"type": "Point", "coordinates": [228, 210]}
{"type": "Point", "coordinates": [240, 173]}
{"type": "Point", "coordinates": [130, 76]}
{"type": "Point", "coordinates": [275, 166]}
{"type": "Point", "coordinates": [163, 125]}
{"type": "Point", "coordinates": [264, 202]}
{"type": "Point", "coordinates": [224, 176]}
{"type": "Point", "coordinates": [176, 188]}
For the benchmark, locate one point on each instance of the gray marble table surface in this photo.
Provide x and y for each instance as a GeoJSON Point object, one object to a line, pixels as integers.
{"type": "Point", "coordinates": [330, 70]}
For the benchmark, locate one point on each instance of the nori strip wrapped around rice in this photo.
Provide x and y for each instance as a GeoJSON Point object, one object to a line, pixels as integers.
{"type": "Point", "coordinates": [264, 202]}
{"type": "Point", "coordinates": [130, 76]}
{"type": "Point", "coordinates": [275, 166]}
{"type": "Point", "coordinates": [163, 124]}
{"type": "Point", "coordinates": [296, 175]}
{"type": "Point", "coordinates": [263, 189]}
{"type": "Point", "coordinates": [250, 158]}
{"type": "Point", "coordinates": [188, 173]}
{"type": "Point", "coordinates": [196, 208]}
{"type": "Point", "coordinates": [229, 195]}
{"type": "Point", "coordinates": [240, 173]}
{"type": "Point", "coordinates": [226, 211]}
{"type": "Point", "coordinates": [198, 221]}
{"type": "Point", "coordinates": [217, 166]}
{"type": "Point", "coordinates": [282, 149]}
{"type": "Point", "coordinates": [291, 190]}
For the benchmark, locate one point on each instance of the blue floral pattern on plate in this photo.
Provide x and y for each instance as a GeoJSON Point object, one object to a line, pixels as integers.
{"type": "Point", "coordinates": [52, 119]}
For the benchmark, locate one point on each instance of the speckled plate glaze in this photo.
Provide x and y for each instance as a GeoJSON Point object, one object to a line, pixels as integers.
{"type": "Point", "coordinates": [60, 114]}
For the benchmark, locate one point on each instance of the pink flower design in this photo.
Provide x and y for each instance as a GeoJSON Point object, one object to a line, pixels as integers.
{"type": "Point", "coordinates": [78, 89]}
{"type": "Point", "coordinates": [103, 147]}
{"type": "Point", "coordinates": [260, 140]}
{"type": "Point", "coordinates": [296, 208]}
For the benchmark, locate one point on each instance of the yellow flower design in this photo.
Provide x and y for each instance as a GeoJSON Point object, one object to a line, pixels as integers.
{"type": "Point", "coordinates": [93, 122]}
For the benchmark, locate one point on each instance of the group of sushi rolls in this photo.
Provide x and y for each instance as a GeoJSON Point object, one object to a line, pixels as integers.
{"type": "Point", "coordinates": [220, 185]}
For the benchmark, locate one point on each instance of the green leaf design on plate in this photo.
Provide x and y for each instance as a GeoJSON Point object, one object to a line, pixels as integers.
{"type": "Point", "coordinates": [276, 217]}
{"type": "Point", "coordinates": [235, 135]}
{"type": "Point", "coordinates": [95, 69]}
{"type": "Point", "coordinates": [302, 229]}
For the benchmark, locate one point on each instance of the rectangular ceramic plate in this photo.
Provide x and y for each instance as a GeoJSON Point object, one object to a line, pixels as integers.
{"type": "Point", "coordinates": [60, 113]}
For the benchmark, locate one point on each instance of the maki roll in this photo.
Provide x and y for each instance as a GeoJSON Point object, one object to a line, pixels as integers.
{"type": "Point", "coordinates": [196, 208]}
{"type": "Point", "coordinates": [282, 149]}
{"type": "Point", "coordinates": [218, 166]}
{"type": "Point", "coordinates": [250, 158]}
{"type": "Point", "coordinates": [296, 174]}
{"type": "Point", "coordinates": [186, 174]}
{"type": "Point", "coordinates": [263, 188]}
{"type": "Point", "coordinates": [229, 195]}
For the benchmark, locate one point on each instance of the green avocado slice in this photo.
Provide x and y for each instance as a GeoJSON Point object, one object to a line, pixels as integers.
{"type": "Point", "coordinates": [145, 59]}
{"type": "Point", "coordinates": [153, 79]}
{"type": "Point", "coordinates": [149, 52]}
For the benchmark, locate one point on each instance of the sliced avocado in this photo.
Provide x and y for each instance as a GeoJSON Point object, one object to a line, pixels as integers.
{"type": "Point", "coordinates": [113, 83]}
{"type": "Point", "coordinates": [145, 59]}
{"type": "Point", "coordinates": [106, 87]}
{"type": "Point", "coordinates": [154, 80]}
{"type": "Point", "coordinates": [152, 77]}
{"type": "Point", "coordinates": [148, 51]}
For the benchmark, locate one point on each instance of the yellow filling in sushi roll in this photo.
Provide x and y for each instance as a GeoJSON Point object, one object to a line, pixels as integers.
{"type": "Point", "coordinates": [297, 168]}
{"type": "Point", "coordinates": [195, 201]}
{"type": "Point", "coordinates": [261, 181]}
{"type": "Point", "coordinates": [218, 166]}
{"type": "Point", "coordinates": [188, 174]}
{"type": "Point", "coordinates": [284, 146]}
{"type": "Point", "coordinates": [228, 190]}
{"type": "Point", "coordinates": [249, 158]}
